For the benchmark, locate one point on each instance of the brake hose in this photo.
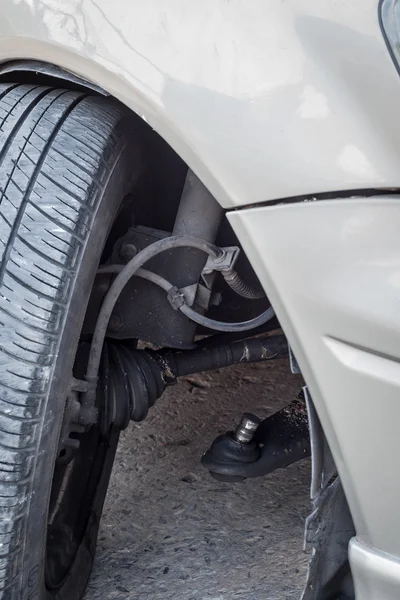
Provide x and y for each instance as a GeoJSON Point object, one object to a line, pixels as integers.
{"type": "Point", "coordinates": [120, 282]}
{"type": "Point", "coordinates": [132, 268]}
{"type": "Point", "coordinates": [143, 273]}
{"type": "Point", "coordinates": [189, 312]}
{"type": "Point", "coordinates": [222, 325]}
{"type": "Point", "coordinates": [240, 287]}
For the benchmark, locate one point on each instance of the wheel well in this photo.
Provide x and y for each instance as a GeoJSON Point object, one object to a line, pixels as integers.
{"type": "Point", "coordinates": [157, 194]}
{"type": "Point", "coordinates": [165, 172]}
{"type": "Point", "coordinates": [37, 72]}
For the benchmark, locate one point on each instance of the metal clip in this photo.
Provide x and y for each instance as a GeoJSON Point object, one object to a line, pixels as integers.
{"type": "Point", "coordinates": [223, 262]}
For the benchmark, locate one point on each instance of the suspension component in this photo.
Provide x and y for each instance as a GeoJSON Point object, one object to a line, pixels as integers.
{"type": "Point", "coordinates": [143, 308]}
{"type": "Point", "coordinates": [254, 450]}
{"type": "Point", "coordinates": [200, 215]}
{"type": "Point", "coordinates": [133, 379]}
{"type": "Point", "coordinates": [245, 431]}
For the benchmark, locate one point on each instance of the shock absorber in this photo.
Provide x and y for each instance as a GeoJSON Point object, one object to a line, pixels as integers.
{"type": "Point", "coordinates": [199, 215]}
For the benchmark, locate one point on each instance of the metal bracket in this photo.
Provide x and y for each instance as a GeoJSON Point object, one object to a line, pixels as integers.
{"type": "Point", "coordinates": [190, 293]}
{"type": "Point", "coordinates": [223, 262]}
{"type": "Point", "coordinates": [176, 298]}
{"type": "Point", "coordinates": [201, 295]}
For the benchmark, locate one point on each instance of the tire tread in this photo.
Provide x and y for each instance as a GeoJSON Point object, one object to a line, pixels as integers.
{"type": "Point", "coordinates": [52, 174]}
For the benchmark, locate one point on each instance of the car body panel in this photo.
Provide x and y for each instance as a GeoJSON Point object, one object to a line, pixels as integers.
{"type": "Point", "coordinates": [267, 100]}
{"type": "Point", "coordinates": [377, 576]}
{"type": "Point", "coordinates": [263, 100]}
{"type": "Point", "coordinates": [332, 272]}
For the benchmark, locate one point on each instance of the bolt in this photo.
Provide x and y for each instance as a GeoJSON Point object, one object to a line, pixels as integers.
{"type": "Point", "coordinates": [128, 251]}
{"type": "Point", "coordinates": [247, 428]}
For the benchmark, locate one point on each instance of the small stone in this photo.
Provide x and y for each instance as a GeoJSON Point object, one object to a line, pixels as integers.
{"type": "Point", "coordinates": [250, 379]}
{"type": "Point", "coordinates": [190, 478]}
{"type": "Point", "coordinates": [198, 382]}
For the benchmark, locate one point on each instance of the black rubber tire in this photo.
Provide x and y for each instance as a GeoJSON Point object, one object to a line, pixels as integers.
{"type": "Point", "coordinates": [66, 161]}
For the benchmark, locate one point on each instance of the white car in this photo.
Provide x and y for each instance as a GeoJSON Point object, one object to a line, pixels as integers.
{"type": "Point", "coordinates": [194, 175]}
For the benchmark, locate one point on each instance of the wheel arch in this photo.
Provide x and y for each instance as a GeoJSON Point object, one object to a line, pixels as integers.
{"type": "Point", "coordinates": [79, 72]}
{"type": "Point", "coordinates": [32, 71]}
{"type": "Point", "coordinates": [283, 100]}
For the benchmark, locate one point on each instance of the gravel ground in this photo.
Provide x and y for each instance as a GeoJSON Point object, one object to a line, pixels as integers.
{"type": "Point", "coordinates": [170, 531]}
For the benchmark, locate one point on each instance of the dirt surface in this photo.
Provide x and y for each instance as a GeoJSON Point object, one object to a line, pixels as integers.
{"type": "Point", "coordinates": [170, 531]}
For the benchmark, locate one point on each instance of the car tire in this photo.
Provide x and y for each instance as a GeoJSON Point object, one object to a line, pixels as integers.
{"type": "Point", "coordinates": [67, 159]}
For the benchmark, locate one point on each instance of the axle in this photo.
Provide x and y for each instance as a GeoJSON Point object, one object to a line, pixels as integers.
{"type": "Point", "coordinates": [134, 379]}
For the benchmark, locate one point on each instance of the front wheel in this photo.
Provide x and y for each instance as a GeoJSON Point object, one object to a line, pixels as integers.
{"type": "Point", "coordinates": [67, 159]}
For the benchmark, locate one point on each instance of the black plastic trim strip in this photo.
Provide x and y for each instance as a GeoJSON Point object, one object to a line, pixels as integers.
{"type": "Point", "coordinates": [306, 198]}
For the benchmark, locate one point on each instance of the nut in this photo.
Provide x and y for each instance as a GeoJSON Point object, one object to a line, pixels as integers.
{"type": "Point", "coordinates": [128, 251]}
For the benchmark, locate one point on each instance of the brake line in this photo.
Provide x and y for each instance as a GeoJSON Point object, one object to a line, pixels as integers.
{"type": "Point", "coordinates": [189, 312]}
{"type": "Point", "coordinates": [133, 267]}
